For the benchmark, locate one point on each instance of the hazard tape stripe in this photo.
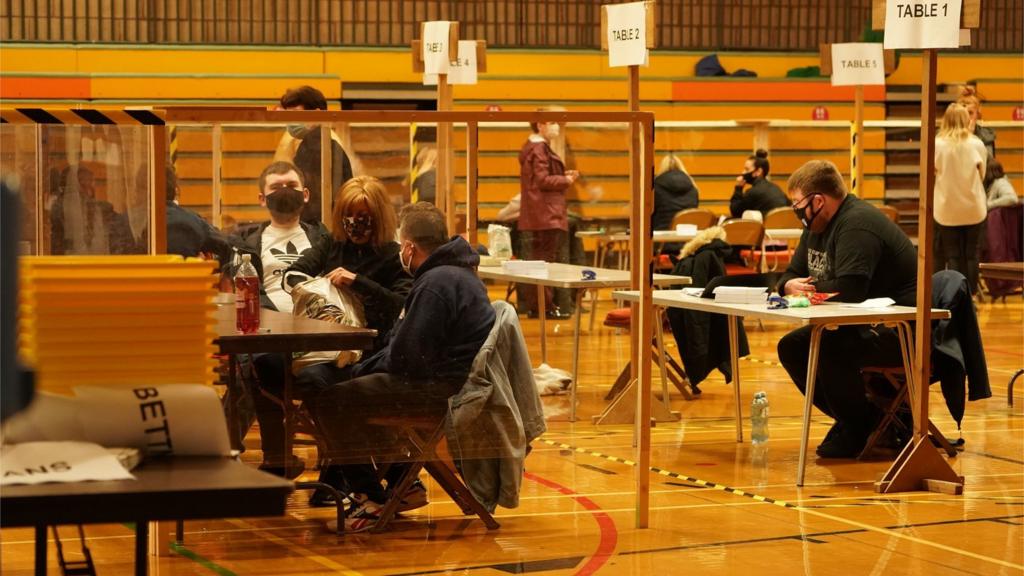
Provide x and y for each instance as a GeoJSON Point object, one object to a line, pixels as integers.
{"type": "Point", "coordinates": [676, 475]}
{"type": "Point", "coordinates": [756, 360]}
{"type": "Point", "coordinates": [79, 116]}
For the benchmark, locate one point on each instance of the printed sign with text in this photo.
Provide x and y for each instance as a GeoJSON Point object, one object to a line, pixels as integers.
{"type": "Point", "coordinates": [922, 24]}
{"type": "Point", "coordinates": [462, 71]}
{"type": "Point", "coordinates": [627, 34]}
{"type": "Point", "coordinates": [857, 64]}
{"type": "Point", "coordinates": [435, 47]}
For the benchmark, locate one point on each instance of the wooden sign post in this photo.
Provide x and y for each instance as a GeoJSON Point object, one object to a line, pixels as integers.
{"type": "Point", "coordinates": [449, 47]}
{"type": "Point", "coordinates": [887, 65]}
{"type": "Point", "coordinates": [920, 466]}
{"type": "Point", "coordinates": [628, 32]}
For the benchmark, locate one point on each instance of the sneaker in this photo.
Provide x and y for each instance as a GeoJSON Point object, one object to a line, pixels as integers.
{"type": "Point", "coordinates": [415, 497]}
{"type": "Point", "coordinates": [361, 516]}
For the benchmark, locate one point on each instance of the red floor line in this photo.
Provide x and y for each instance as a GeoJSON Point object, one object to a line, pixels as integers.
{"type": "Point", "coordinates": [609, 534]}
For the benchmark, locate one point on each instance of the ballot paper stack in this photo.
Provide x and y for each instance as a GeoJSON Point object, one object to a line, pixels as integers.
{"type": "Point", "coordinates": [740, 295]}
{"type": "Point", "coordinates": [124, 321]}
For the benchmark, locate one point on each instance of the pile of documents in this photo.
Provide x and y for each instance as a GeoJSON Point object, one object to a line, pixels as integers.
{"type": "Point", "coordinates": [117, 320]}
{"type": "Point", "coordinates": [741, 295]}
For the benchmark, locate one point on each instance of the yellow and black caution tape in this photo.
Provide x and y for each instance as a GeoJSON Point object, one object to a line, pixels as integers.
{"type": "Point", "coordinates": [757, 360]}
{"type": "Point", "coordinates": [676, 475]}
{"type": "Point", "coordinates": [81, 117]}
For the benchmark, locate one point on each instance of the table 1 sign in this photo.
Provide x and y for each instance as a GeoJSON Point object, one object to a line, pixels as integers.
{"type": "Point", "coordinates": [922, 24]}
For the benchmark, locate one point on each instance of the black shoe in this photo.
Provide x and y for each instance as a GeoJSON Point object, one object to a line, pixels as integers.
{"type": "Point", "coordinates": [295, 468]}
{"type": "Point", "coordinates": [839, 446]}
{"type": "Point", "coordinates": [322, 499]}
{"type": "Point", "coordinates": [330, 475]}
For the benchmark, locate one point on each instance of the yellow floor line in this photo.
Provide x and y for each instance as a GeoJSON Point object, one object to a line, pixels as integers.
{"type": "Point", "coordinates": [784, 504]}
{"type": "Point", "coordinates": [302, 550]}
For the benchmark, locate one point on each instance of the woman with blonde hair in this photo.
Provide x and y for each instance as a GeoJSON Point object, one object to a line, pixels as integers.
{"type": "Point", "coordinates": [960, 202]}
{"type": "Point", "coordinates": [674, 190]}
{"type": "Point", "coordinates": [361, 255]}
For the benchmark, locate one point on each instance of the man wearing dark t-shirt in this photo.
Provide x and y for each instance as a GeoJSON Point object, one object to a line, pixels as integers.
{"type": "Point", "coordinates": [849, 247]}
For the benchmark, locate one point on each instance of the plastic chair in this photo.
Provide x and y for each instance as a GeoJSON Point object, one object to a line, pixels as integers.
{"type": "Point", "coordinates": [701, 217]}
{"type": "Point", "coordinates": [740, 232]}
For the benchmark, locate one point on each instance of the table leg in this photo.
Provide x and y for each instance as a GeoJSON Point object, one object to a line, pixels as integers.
{"type": "Point", "coordinates": [575, 357]}
{"type": "Point", "coordinates": [812, 375]}
{"type": "Point", "coordinates": [286, 401]}
{"type": "Point", "coordinates": [659, 329]}
{"type": "Point", "coordinates": [593, 309]}
{"type": "Point", "coordinates": [906, 338]}
{"type": "Point", "coordinates": [734, 356]}
{"type": "Point", "coordinates": [542, 313]}
{"type": "Point", "coordinates": [41, 550]}
{"type": "Point", "coordinates": [141, 543]}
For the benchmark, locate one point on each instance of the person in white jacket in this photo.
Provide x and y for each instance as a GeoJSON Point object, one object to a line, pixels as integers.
{"type": "Point", "coordinates": [1000, 191]}
{"type": "Point", "coordinates": [960, 202]}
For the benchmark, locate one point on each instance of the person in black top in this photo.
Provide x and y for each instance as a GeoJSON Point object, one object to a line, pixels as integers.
{"type": "Point", "coordinates": [674, 190]}
{"type": "Point", "coordinates": [363, 256]}
{"type": "Point", "coordinates": [849, 247]}
{"type": "Point", "coordinates": [187, 233]}
{"type": "Point", "coordinates": [446, 320]}
{"type": "Point", "coordinates": [763, 195]}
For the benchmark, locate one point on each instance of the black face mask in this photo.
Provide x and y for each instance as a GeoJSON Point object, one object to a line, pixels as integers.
{"type": "Point", "coordinates": [286, 201]}
{"type": "Point", "coordinates": [749, 177]}
{"type": "Point", "coordinates": [358, 227]}
{"type": "Point", "coordinates": [801, 211]}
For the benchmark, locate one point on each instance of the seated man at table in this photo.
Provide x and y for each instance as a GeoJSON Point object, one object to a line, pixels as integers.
{"type": "Point", "coordinates": [848, 247]}
{"type": "Point", "coordinates": [275, 245]}
{"type": "Point", "coordinates": [447, 318]}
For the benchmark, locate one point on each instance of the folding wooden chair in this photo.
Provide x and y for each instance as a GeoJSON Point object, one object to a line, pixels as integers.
{"type": "Point", "coordinates": [892, 408]}
{"type": "Point", "coordinates": [700, 217]}
{"type": "Point", "coordinates": [424, 437]}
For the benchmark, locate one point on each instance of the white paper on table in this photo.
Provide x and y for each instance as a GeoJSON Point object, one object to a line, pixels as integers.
{"type": "Point", "coordinates": [627, 34]}
{"type": "Point", "coordinates": [41, 462]}
{"type": "Point", "coordinates": [872, 303]}
{"type": "Point", "coordinates": [858, 63]}
{"type": "Point", "coordinates": [183, 419]}
{"type": "Point", "coordinates": [922, 24]}
{"type": "Point", "coordinates": [698, 292]}
{"type": "Point", "coordinates": [435, 47]}
{"type": "Point", "coordinates": [684, 229]}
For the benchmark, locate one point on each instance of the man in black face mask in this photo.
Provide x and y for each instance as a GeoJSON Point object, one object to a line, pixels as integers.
{"type": "Point", "coordinates": [849, 247]}
{"type": "Point", "coordinates": [278, 243]}
{"type": "Point", "coordinates": [275, 245]}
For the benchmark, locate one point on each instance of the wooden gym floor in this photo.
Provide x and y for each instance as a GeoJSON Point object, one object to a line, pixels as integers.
{"type": "Point", "coordinates": [576, 513]}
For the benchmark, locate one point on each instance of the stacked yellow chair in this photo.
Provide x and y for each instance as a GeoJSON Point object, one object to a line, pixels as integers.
{"type": "Point", "coordinates": [117, 320]}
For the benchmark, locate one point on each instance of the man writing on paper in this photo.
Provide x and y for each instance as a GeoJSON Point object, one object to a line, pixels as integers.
{"type": "Point", "coordinates": [849, 247]}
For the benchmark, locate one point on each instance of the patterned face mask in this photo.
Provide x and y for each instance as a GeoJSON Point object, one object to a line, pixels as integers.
{"type": "Point", "coordinates": [358, 227]}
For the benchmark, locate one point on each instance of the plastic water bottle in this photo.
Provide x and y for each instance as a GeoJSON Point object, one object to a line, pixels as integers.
{"type": "Point", "coordinates": [247, 297]}
{"type": "Point", "coordinates": [759, 419]}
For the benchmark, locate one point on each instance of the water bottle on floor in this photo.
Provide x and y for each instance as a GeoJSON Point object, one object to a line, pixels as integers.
{"type": "Point", "coordinates": [759, 418]}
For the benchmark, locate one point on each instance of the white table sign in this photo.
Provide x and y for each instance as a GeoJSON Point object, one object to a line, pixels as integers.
{"type": "Point", "coordinates": [627, 34]}
{"type": "Point", "coordinates": [435, 47]}
{"type": "Point", "coordinates": [922, 24]}
{"type": "Point", "coordinates": [462, 71]}
{"type": "Point", "coordinates": [857, 64]}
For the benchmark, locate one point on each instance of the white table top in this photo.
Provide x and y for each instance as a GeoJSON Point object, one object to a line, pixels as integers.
{"type": "Point", "coordinates": [571, 276]}
{"type": "Point", "coordinates": [783, 233]}
{"type": "Point", "coordinates": [659, 236]}
{"type": "Point", "coordinates": [826, 313]}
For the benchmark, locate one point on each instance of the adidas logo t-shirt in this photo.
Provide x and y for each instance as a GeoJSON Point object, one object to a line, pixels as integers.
{"type": "Point", "coordinates": [281, 248]}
